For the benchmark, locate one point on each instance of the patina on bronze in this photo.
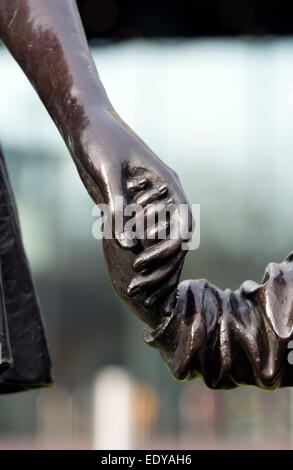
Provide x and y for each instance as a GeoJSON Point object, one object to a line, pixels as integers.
{"type": "Point", "coordinates": [24, 357]}
{"type": "Point", "coordinates": [48, 42]}
{"type": "Point", "coordinates": [229, 338]}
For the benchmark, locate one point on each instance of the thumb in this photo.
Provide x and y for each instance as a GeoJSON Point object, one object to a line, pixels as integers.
{"type": "Point", "coordinates": [116, 199]}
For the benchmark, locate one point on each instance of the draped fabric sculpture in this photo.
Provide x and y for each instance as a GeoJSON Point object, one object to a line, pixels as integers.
{"type": "Point", "coordinates": [229, 338]}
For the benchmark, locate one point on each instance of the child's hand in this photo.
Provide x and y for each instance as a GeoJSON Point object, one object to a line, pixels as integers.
{"type": "Point", "coordinates": [144, 277]}
{"type": "Point", "coordinates": [159, 265]}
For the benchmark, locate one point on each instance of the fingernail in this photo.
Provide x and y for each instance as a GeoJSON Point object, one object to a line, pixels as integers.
{"type": "Point", "coordinates": [137, 266]}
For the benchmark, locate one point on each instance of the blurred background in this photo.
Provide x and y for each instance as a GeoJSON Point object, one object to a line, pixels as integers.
{"type": "Point", "coordinates": [216, 104]}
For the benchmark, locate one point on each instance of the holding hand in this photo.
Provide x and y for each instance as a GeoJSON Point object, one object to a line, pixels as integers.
{"type": "Point", "coordinates": [145, 275]}
{"type": "Point", "coordinates": [159, 265]}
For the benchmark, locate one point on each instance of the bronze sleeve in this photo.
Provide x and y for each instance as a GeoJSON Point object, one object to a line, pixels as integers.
{"type": "Point", "coordinates": [231, 338]}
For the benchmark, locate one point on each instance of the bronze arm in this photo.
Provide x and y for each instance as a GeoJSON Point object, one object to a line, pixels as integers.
{"type": "Point", "coordinates": [230, 338]}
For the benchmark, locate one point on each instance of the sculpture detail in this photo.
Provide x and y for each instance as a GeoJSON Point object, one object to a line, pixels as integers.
{"type": "Point", "coordinates": [228, 338]}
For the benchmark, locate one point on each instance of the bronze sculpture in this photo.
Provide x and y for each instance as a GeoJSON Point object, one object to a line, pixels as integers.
{"type": "Point", "coordinates": [48, 42]}
{"type": "Point", "coordinates": [228, 338]}
{"type": "Point", "coordinates": [25, 360]}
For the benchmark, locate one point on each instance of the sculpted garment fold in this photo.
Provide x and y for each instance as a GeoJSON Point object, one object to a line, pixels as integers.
{"type": "Point", "coordinates": [231, 338]}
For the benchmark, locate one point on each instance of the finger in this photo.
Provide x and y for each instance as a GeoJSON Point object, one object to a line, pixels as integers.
{"type": "Point", "coordinates": [125, 238]}
{"type": "Point", "coordinates": [157, 231]}
{"type": "Point", "coordinates": [156, 295]}
{"type": "Point", "coordinates": [162, 250]}
{"type": "Point", "coordinates": [147, 197]}
{"type": "Point", "coordinates": [157, 276]}
{"type": "Point", "coordinates": [186, 225]}
{"type": "Point", "coordinates": [167, 247]}
{"type": "Point", "coordinates": [136, 184]}
{"type": "Point", "coordinates": [160, 210]}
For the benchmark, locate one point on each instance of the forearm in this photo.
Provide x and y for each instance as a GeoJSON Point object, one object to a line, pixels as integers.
{"type": "Point", "coordinates": [47, 40]}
